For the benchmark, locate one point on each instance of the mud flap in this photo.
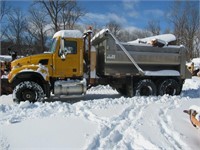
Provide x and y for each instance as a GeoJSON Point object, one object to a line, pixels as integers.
{"type": "Point", "coordinates": [129, 88]}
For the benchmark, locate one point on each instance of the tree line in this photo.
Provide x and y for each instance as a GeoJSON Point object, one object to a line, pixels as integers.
{"type": "Point", "coordinates": [30, 33]}
{"type": "Point", "coordinates": [184, 16]}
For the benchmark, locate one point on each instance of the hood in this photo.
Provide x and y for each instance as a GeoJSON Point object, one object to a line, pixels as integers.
{"type": "Point", "coordinates": [33, 60]}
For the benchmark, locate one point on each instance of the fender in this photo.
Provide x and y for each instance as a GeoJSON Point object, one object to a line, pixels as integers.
{"type": "Point", "coordinates": [36, 73]}
{"type": "Point", "coordinates": [39, 69]}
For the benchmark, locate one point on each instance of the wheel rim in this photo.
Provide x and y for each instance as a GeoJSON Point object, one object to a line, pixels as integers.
{"type": "Point", "coordinates": [170, 90]}
{"type": "Point", "coordinates": [28, 95]}
{"type": "Point", "coordinates": [146, 91]}
{"type": "Point", "coordinates": [145, 87]}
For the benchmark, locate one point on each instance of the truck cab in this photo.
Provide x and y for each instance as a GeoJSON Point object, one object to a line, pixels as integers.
{"type": "Point", "coordinates": [51, 71]}
{"type": "Point", "coordinates": [67, 50]}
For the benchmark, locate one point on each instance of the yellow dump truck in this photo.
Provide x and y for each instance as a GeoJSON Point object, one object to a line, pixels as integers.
{"type": "Point", "coordinates": [77, 61]}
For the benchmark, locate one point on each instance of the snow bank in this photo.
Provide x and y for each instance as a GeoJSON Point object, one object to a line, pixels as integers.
{"type": "Point", "coordinates": [102, 120]}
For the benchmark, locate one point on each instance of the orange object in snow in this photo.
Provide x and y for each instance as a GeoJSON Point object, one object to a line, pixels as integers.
{"type": "Point", "coordinates": [194, 112]}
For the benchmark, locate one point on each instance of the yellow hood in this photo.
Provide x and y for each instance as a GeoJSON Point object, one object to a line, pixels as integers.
{"type": "Point", "coordinates": [43, 59]}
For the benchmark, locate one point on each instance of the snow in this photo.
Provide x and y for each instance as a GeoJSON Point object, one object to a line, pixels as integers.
{"type": "Point", "coordinates": [100, 33]}
{"type": "Point", "coordinates": [5, 58]}
{"type": "Point", "coordinates": [46, 138]}
{"type": "Point", "coordinates": [41, 69]}
{"type": "Point", "coordinates": [102, 119]}
{"type": "Point", "coordinates": [68, 34]}
{"type": "Point", "coordinates": [162, 73]}
{"type": "Point", "coordinates": [4, 77]}
{"type": "Point", "coordinates": [164, 37]}
{"type": "Point", "coordinates": [196, 108]}
{"type": "Point", "coordinates": [196, 62]}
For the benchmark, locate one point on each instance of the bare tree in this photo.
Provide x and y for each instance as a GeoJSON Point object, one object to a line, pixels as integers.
{"type": "Point", "coordinates": [185, 18]}
{"type": "Point", "coordinates": [114, 27]}
{"type": "Point", "coordinates": [197, 44]}
{"type": "Point", "coordinates": [141, 33]}
{"type": "Point", "coordinates": [124, 36]}
{"type": "Point", "coordinates": [192, 26]}
{"type": "Point", "coordinates": [5, 9]}
{"type": "Point", "coordinates": [37, 22]}
{"type": "Point", "coordinates": [16, 28]}
{"type": "Point", "coordinates": [130, 35]}
{"type": "Point", "coordinates": [167, 30]}
{"type": "Point", "coordinates": [95, 27]}
{"type": "Point", "coordinates": [53, 7]}
{"type": "Point", "coordinates": [70, 14]}
{"type": "Point", "coordinates": [154, 27]}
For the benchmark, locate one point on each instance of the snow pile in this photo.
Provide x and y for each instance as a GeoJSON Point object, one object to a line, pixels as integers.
{"type": "Point", "coordinates": [196, 62]}
{"type": "Point", "coordinates": [192, 88]}
{"type": "Point", "coordinates": [5, 58]}
{"type": "Point", "coordinates": [102, 120]}
{"type": "Point", "coordinates": [165, 38]}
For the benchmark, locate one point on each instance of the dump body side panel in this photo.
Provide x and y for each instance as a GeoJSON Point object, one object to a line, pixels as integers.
{"type": "Point", "coordinates": [112, 61]}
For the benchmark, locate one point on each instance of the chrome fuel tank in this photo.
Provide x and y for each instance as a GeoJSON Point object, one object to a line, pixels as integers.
{"type": "Point", "coordinates": [70, 87]}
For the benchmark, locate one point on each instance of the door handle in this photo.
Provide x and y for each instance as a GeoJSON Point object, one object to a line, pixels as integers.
{"type": "Point", "coordinates": [52, 67]}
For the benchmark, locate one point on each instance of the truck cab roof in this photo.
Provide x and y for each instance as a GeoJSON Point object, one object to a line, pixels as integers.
{"type": "Point", "coordinates": [68, 34]}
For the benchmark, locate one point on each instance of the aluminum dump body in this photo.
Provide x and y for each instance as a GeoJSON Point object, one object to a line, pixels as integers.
{"type": "Point", "coordinates": [113, 60]}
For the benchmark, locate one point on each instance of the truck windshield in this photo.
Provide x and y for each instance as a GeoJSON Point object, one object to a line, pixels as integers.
{"type": "Point", "coordinates": [53, 45]}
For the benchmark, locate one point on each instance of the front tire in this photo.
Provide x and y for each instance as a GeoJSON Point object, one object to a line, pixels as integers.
{"type": "Point", "coordinates": [28, 90]}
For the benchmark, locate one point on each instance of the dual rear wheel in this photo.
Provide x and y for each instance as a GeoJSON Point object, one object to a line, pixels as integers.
{"type": "Point", "coordinates": [147, 87]}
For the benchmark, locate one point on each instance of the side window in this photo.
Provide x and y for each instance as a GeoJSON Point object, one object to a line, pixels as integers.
{"type": "Point", "coordinates": [53, 45]}
{"type": "Point", "coordinates": [70, 47]}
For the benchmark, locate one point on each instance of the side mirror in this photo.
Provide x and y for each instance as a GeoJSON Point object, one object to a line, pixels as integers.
{"type": "Point", "coordinates": [62, 55]}
{"type": "Point", "coordinates": [62, 51]}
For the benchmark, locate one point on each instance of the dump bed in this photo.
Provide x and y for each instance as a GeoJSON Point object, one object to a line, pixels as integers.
{"type": "Point", "coordinates": [122, 59]}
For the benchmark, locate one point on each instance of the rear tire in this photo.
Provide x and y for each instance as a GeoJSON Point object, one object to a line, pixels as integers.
{"type": "Point", "coordinates": [169, 86]}
{"type": "Point", "coordinates": [28, 90]}
{"type": "Point", "coordinates": [145, 87]}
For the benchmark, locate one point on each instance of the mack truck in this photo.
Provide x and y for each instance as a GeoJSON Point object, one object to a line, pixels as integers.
{"type": "Point", "coordinates": [78, 61]}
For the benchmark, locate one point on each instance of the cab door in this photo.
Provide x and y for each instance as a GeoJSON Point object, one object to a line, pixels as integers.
{"type": "Point", "coordinates": [71, 64]}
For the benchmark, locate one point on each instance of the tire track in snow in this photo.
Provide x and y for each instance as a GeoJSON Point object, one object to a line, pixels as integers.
{"type": "Point", "coordinates": [4, 145]}
{"type": "Point", "coordinates": [133, 140]}
{"type": "Point", "coordinates": [119, 132]}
